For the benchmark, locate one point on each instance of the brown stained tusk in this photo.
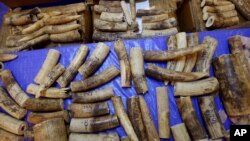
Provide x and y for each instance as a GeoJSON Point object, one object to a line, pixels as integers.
{"type": "Point", "coordinates": [56, 29]}
{"type": "Point", "coordinates": [35, 34]}
{"type": "Point", "coordinates": [151, 12]}
{"type": "Point", "coordinates": [50, 130]}
{"type": "Point", "coordinates": [72, 69]}
{"type": "Point", "coordinates": [95, 60]}
{"type": "Point", "coordinates": [155, 18]}
{"type": "Point", "coordinates": [217, 22]}
{"type": "Point", "coordinates": [163, 32]}
{"type": "Point", "coordinates": [211, 117]}
{"type": "Point", "coordinates": [227, 14]}
{"type": "Point", "coordinates": [234, 85]}
{"type": "Point", "coordinates": [48, 64]}
{"type": "Point", "coordinates": [34, 27]}
{"type": "Point", "coordinates": [110, 3]}
{"type": "Point", "coordinates": [112, 17]}
{"type": "Point", "coordinates": [19, 20]}
{"type": "Point", "coordinates": [163, 112]}
{"type": "Point", "coordinates": [170, 75]}
{"type": "Point", "coordinates": [44, 105]}
{"type": "Point", "coordinates": [135, 116]}
{"type": "Point", "coordinates": [171, 54]}
{"type": "Point", "coordinates": [9, 106]}
{"type": "Point", "coordinates": [123, 118]}
{"type": "Point", "coordinates": [7, 57]}
{"type": "Point", "coordinates": [95, 81]}
{"type": "Point", "coordinates": [215, 3]}
{"type": "Point", "coordinates": [218, 9]}
{"type": "Point", "coordinates": [165, 24]}
{"type": "Point", "coordinates": [172, 45]}
{"type": "Point", "coordinates": [94, 124]}
{"type": "Point", "coordinates": [100, 8]}
{"type": "Point", "coordinates": [36, 118]}
{"type": "Point", "coordinates": [88, 110]}
{"type": "Point", "coordinates": [196, 88]}
{"type": "Point", "coordinates": [124, 63]}
{"type": "Point", "coordinates": [66, 37]}
{"type": "Point", "coordinates": [180, 132]}
{"type": "Point", "coordinates": [190, 118]}
{"type": "Point", "coordinates": [94, 137]}
{"type": "Point", "coordinates": [93, 96]}
{"type": "Point", "coordinates": [110, 26]}
{"type": "Point", "coordinates": [7, 136]}
{"type": "Point", "coordinates": [61, 19]}
{"type": "Point", "coordinates": [111, 36]}
{"type": "Point", "coordinates": [137, 69]}
{"type": "Point", "coordinates": [205, 57]}
{"type": "Point", "coordinates": [51, 92]}
{"type": "Point", "coordinates": [148, 122]}
{"type": "Point", "coordinates": [126, 12]}
{"type": "Point", "coordinates": [12, 125]}
{"type": "Point", "coordinates": [132, 5]}
{"type": "Point", "coordinates": [192, 41]}
{"type": "Point", "coordinates": [243, 7]}
{"type": "Point", "coordinates": [13, 88]}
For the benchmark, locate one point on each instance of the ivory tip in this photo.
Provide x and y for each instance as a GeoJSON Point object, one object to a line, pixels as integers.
{"type": "Point", "coordinates": [210, 21]}
{"type": "Point", "coordinates": [7, 57]}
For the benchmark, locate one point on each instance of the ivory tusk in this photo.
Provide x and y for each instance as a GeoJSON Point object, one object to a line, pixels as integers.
{"type": "Point", "coordinates": [94, 137]}
{"type": "Point", "coordinates": [95, 60]}
{"type": "Point", "coordinates": [112, 17]}
{"type": "Point", "coordinates": [133, 9]}
{"type": "Point", "coordinates": [100, 8]}
{"type": "Point", "coordinates": [94, 124]}
{"type": "Point", "coordinates": [9, 106]}
{"type": "Point", "coordinates": [124, 63]}
{"type": "Point", "coordinates": [227, 14]}
{"type": "Point", "coordinates": [67, 37]}
{"type": "Point", "coordinates": [126, 12]}
{"type": "Point", "coordinates": [44, 105]}
{"type": "Point", "coordinates": [36, 118]}
{"type": "Point", "coordinates": [110, 26]}
{"type": "Point", "coordinates": [34, 27]}
{"type": "Point", "coordinates": [61, 19]}
{"type": "Point", "coordinates": [7, 136]}
{"type": "Point", "coordinates": [215, 3]}
{"type": "Point", "coordinates": [217, 22]}
{"type": "Point", "coordinates": [155, 18]}
{"type": "Point", "coordinates": [196, 88]}
{"type": "Point", "coordinates": [111, 36]}
{"type": "Point", "coordinates": [150, 12]}
{"type": "Point", "coordinates": [218, 9]}
{"type": "Point", "coordinates": [88, 110]}
{"type": "Point", "coordinates": [163, 32]}
{"type": "Point", "coordinates": [93, 96]}
{"type": "Point", "coordinates": [20, 20]}
{"type": "Point", "coordinates": [110, 3]}
{"type": "Point", "coordinates": [180, 132]}
{"type": "Point", "coordinates": [7, 57]}
{"type": "Point", "coordinates": [137, 69]}
{"type": "Point", "coordinates": [165, 24]}
{"type": "Point", "coordinates": [29, 133]}
{"type": "Point", "coordinates": [94, 81]}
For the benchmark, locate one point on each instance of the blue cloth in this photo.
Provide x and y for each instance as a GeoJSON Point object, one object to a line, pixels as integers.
{"type": "Point", "coordinates": [27, 65]}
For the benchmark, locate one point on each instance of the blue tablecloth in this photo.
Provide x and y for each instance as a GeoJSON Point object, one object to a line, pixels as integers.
{"type": "Point", "coordinates": [26, 66]}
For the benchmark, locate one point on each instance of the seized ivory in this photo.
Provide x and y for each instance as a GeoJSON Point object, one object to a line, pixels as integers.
{"type": "Point", "coordinates": [205, 57]}
{"type": "Point", "coordinates": [100, 8]}
{"type": "Point", "coordinates": [218, 9]}
{"type": "Point", "coordinates": [7, 136]}
{"type": "Point", "coordinates": [172, 45]}
{"type": "Point", "coordinates": [93, 96]}
{"type": "Point", "coordinates": [94, 124]}
{"type": "Point", "coordinates": [95, 60]}
{"type": "Point", "coordinates": [135, 116]}
{"type": "Point", "coordinates": [124, 63]}
{"type": "Point", "coordinates": [34, 27]}
{"type": "Point", "coordinates": [112, 17]}
{"type": "Point", "coordinates": [50, 130]}
{"type": "Point", "coordinates": [192, 41]}
{"type": "Point", "coordinates": [111, 3]}
{"type": "Point", "coordinates": [88, 110]}
{"type": "Point", "coordinates": [126, 12]}
{"type": "Point", "coordinates": [44, 105]}
{"type": "Point", "coordinates": [170, 75]}
{"type": "Point", "coordinates": [148, 122]}
{"type": "Point", "coordinates": [215, 2]}
{"type": "Point", "coordinates": [9, 106]}
{"type": "Point", "coordinates": [49, 63]}
{"type": "Point", "coordinates": [36, 118]}
{"type": "Point", "coordinates": [150, 12]}
{"type": "Point", "coordinates": [163, 32]}
{"type": "Point", "coordinates": [7, 57]}
{"type": "Point", "coordinates": [190, 118]}
{"type": "Point", "coordinates": [218, 22]}
{"type": "Point", "coordinates": [20, 20]}
{"type": "Point", "coordinates": [163, 112]}
{"type": "Point", "coordinates": [111, 36]}
{"type": "Point", "coordinates": [243, 7]}
{"type": "Point", "coordinates": [29, 133]}
{"type": "Point", "coordinates": [123, 118]}
{"type": "Point", "coordinates": [13, 88]}
{"type": "Point", "coordinates": [171, 54]}
{"type": "Point", "coordinates": [211, 117]}
{"type": "Point", "coordinates": [95, 81]}
{"type": "Point", "coordinates": [225, 15]}
{"type": "Point", "coordinates": [155, 18]}
{"type": "Point", "coordinates": [70, 36]}
{"type": "Point", "coordinates": [12, 125]}
{"type": "Point", "coordinates": [110, 26]}
{"type": "Point", "coordinates": [196, 88]}
{"type": "Point", "coordinates": [180, 132]}
{"type": "Point", "coordinates": [94, 137]}
{"type": "Point", "coordinates": [72, 69]}
{"type": "Point", "coordinates": [234, 85]}
{"type": "Point", "coordinates": [137, 69]}
{"type": "Point", "coordinates": [51, 92]}
{"type": "Point", "coordinates": [133, 9]}
{"type": "Point", "coordinates": [165, 24]}
{"type": "Point", "coordinates": [61, 19]}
